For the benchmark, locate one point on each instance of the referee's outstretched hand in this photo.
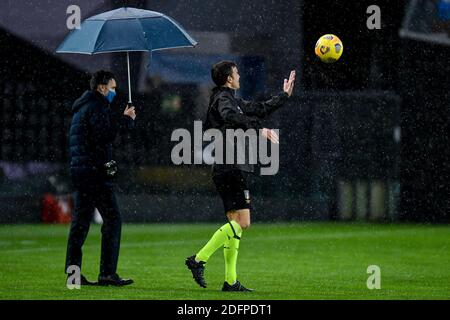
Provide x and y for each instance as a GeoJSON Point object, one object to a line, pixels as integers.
{"type": "Point", "coordinates": [288, 85]}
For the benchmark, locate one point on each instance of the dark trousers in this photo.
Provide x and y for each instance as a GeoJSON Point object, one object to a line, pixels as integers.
{"type": "Point", "coordinates": [86, 199]}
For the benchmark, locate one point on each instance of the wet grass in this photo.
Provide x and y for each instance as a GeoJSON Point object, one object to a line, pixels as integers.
{"type": "Point", "coordinates": [281, 261]}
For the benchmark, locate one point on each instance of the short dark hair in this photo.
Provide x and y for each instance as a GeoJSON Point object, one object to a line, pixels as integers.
{"type": "Point", "coordinates": [100, 77]}
{"type": "Point", "coordinates": [221, 71]}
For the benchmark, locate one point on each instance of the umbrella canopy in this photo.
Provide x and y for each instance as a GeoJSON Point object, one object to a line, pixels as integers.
{"type": "Point", "coordinates": [124, 30]}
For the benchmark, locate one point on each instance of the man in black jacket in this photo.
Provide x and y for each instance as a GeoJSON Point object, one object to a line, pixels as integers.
{"type": "Point", "coordinates": [226, 111]}
{"type": "Point", "coordinates": [92, 132]}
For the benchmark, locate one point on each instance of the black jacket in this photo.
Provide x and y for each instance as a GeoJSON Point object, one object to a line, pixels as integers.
{"type": "Point", "coordinates": [92, 132]}
{"type": "Point", "coordinates": [226, 111]}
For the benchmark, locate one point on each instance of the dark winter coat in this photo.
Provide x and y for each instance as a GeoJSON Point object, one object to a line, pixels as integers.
{"type": "Point", "coordinates": [226, 111]}
{"type": "Point", "coordinates": [92, 132]}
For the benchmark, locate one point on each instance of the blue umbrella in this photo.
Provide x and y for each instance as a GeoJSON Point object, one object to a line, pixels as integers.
{"type": "Point", "coordinates": [125, 30]}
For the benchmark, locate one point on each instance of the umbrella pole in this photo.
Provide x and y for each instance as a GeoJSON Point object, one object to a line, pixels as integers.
{"type": "Point", "coordinates": [129, 82]}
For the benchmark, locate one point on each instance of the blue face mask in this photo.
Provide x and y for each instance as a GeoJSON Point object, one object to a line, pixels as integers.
{"type": "Point", "coordinates": [111, 95]}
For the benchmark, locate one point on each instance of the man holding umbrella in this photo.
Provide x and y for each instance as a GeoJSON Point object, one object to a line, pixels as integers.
{"type": "Point", "coordinates": [92, 132]}
{"type": "Point", "coordinates": [122, 30]}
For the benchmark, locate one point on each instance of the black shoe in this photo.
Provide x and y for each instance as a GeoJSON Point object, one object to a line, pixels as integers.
{"type": "Point", "coordinates": [84, 281]}
{"type": "Point", "coordinates": [113, 280]}
{"type": "Point", "coordinates": [197, 269]}
{"type": "Point", "coordinates": [235, 287]}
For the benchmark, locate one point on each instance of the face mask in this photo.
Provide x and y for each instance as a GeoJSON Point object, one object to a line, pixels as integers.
{"type": "Point", "coordinates": [111, 95]}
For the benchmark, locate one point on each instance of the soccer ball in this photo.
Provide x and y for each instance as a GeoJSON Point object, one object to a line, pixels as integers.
{"type": "Point", "coordinates": [329, 48]}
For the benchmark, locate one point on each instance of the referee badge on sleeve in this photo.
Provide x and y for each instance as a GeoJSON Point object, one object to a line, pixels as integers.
{"type": "Point", "coordinates": [247, 196]}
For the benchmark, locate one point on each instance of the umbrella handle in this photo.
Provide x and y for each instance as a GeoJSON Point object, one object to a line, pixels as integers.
{"type": "Point", "coordinates": [129, 81]}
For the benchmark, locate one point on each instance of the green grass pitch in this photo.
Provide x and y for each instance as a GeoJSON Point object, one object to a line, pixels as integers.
{"type": "Point", "coordinates": [286, 261]}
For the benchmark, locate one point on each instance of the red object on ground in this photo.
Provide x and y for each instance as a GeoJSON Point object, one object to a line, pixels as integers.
{"type": "Point", "coordinates": [56, 209]}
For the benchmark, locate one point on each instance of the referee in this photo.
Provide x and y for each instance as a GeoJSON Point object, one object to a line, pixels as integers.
{"type": "Point", "coordinates": [228, 112]}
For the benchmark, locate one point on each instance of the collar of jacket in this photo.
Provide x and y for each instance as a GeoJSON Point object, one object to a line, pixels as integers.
{"type": "Point", "coordinates": [225, 89]}
{"type": "Point", "coordinates": [101, 97]}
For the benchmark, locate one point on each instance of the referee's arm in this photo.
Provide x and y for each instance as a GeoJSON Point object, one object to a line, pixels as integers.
{"type": "Point", "coordinates": [234, 118]}
{"type": "Point", "coordinates": [264, 108]}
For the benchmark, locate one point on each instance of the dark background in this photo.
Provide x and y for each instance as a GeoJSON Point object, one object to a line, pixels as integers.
{"type": "Point", "coordinates": [363, 138]}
